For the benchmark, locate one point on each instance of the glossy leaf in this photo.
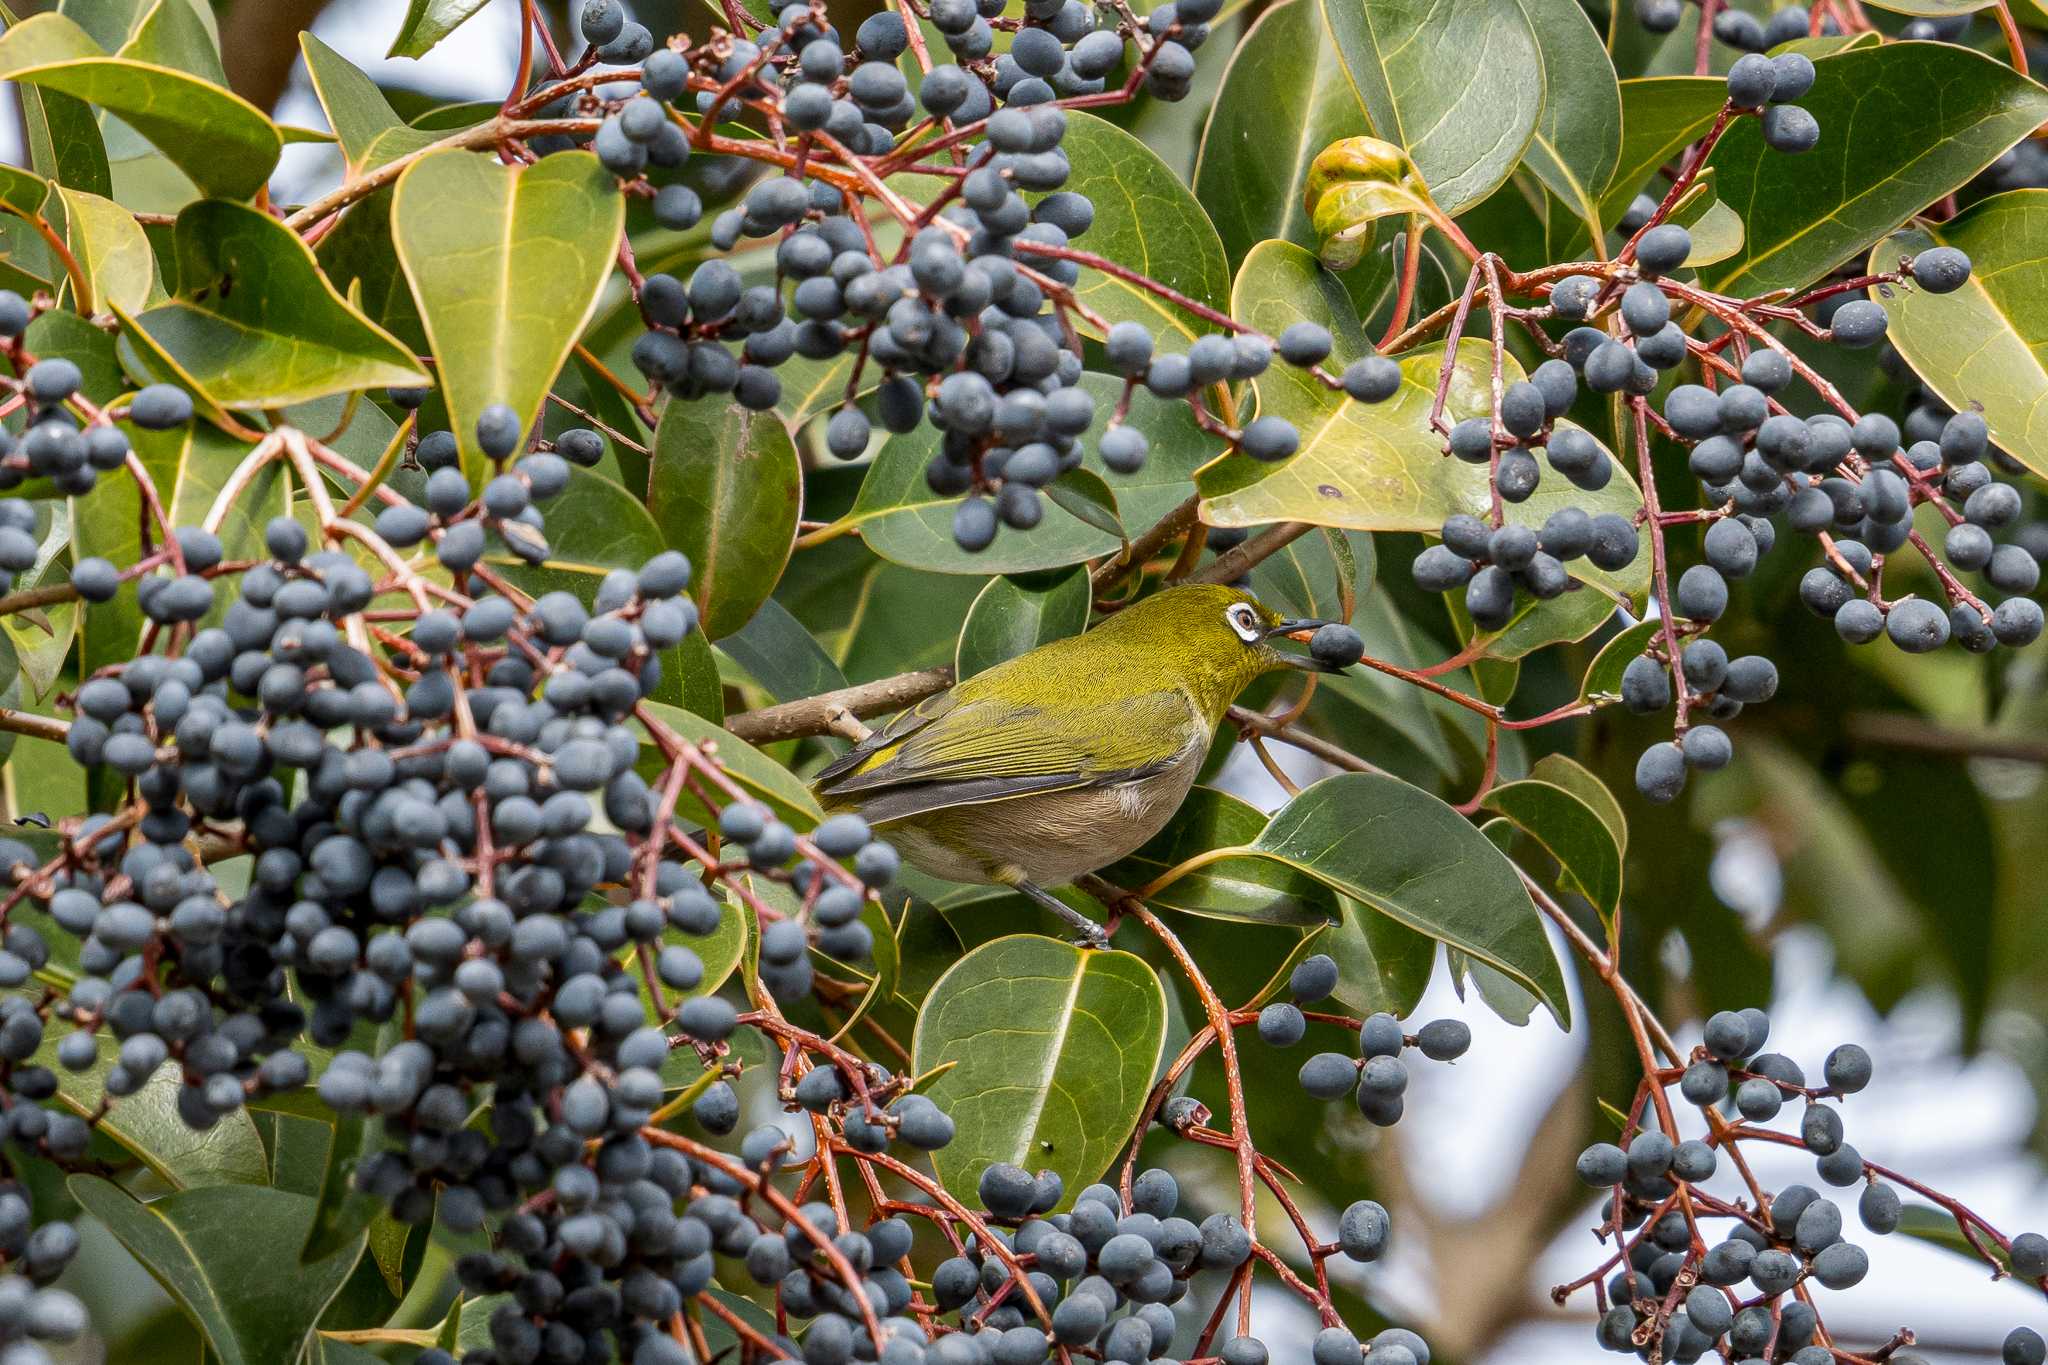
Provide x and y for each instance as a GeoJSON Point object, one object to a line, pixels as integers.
{"type": "Point", "coordinates": [1571, 831]}
{"type": "Point", "coordinates": [147, 1125]}
{"type": "Point", "coordinates": [752, 769]}
{"type": "Point", "coordinates": [1284, 80]}
{"type": "Point", "coordinates": [784, 657]}
{"type": "Point", "coordinates": [255, 324]}
{"type": "Point", "coordinates": [1580, 781]}
{"type": "Point", "coordinates": [171, 33]}
{"type": "Point", "coordinates": [1373, 467]}
{"type": "Point", "coordinates": [1148, 221]}
{"type": "Point", "coordinates": [2003, 309]}
{"type": "Point", "coordinates": [1087, 497]}
{"type": "Point", "coordinates": [1352, 185]}
{"type": "Point", "coordinates": [368, 129]}
{"type": "Point", "coordinates": [1660, 115]}
{"type": "Point", "coordinates": [725, 488]}
{"type": "Point", "coordinates": [1382, 964]}
{"type": "Point", "coordinates": [1409, 856]}
{"type": "Point", "coordinates": [224, 143]}
{"type": "Point", "coordinates": [107, 242]}
{"type": "Point", "coordinates": [903, 521]}
{"type": "Point", "coordinates": [1577, 142]}
{"type": "Point", "coordinates": [225, 1254]}
{"type": "Point", "coordinates": [1322, 576]}
{"type": "Point", "coordinates": [506, 265]}
{"type": "Point", "coordinates": [1059, 1084]}
{"type": "Point", "coordinates": [593, 527]}
{"type": "Point", "coordinates": [1603, 677]}
{"type": "Point", "coordinates": [1533, 625]}
{"type": "Point", "coordinates": [1804, 214]}
{"type": "Point", "coordinates": [1014, 615]}
{"type": "Point", "coordinates": [1409, 59]}
{"type": "Point", "coordinates": [427, 22]}
{"type": "Point", "coordinates": [1249, 888]}
{"type": "Point", "coordinates": [342, 1213]}
{"type": "Point", "coordinates": [189, 466]}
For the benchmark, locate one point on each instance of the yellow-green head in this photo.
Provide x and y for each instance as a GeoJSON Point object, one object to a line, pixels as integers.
{"type": "Point", "coordinates": [1212, 640]}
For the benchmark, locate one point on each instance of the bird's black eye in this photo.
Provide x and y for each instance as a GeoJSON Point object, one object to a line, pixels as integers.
{"type": "Point", "coordinates": [1243, 622]}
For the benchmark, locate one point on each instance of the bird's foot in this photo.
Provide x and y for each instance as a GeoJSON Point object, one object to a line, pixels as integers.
{"type": "Point", "coordinates": [1089, 934]}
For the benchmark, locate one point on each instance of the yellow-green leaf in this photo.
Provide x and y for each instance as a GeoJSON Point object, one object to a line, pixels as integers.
{"type": "Point", "coordinates": [506, 264]}
{"type": "Point", "coordinates": [255, 324]}
{"type": "Point", "coordinates": [216, 137]}
{"type": "Point", "coordinates": [1052, 1050]}
{"type": "Point", "coordinates": [2003, 310]}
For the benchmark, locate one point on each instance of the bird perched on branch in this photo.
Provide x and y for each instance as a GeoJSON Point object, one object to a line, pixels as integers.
{"type": "Point", "coordinates": [1064, 759]}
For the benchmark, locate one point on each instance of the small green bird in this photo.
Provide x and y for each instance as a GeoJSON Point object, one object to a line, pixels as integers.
{"type": "Point", "coordinates": [1064, 759]}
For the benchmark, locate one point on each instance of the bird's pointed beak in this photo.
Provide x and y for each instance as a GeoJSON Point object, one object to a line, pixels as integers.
{"type": "Point", "coordinates": [1300, 629]}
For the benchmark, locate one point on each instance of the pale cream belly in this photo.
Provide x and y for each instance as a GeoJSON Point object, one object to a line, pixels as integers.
{"type": "Point", "coordinates": [1049, 839]}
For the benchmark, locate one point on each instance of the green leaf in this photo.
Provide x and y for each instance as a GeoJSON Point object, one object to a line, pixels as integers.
{"type": "Point", "coordinates": [1085, 495]}
{"type": "Point", "coordinates": [1374, 467]}
{"type": "Point", "coordinates": [1352, 186]}
{"type": "Point", "coordinates": [1577, 142]}
{"type": "Point", "coordinates": [1603, 677]}
{"type": "Point", "coordinates": [370, 132]}
{"type": "Point", "coordinates": [725, 488]}
{"type": "Point", "coordinates": [1014, 615]}
{"type": "Point", "coordinates": [110, 245]}
{"type": "Point", "coordinates": [1901, 125]}
{"type": "Point", "coordinates": [2003, 310]}
{"type": "Point", "coordinates": [1580, 781]}
{"type": "Point", "coordinates": [219, 139]}
{"type": "Point", "coordinates": [227, 1255]}
{"type": "Point", "coordinates": [1534, 624]}
{"type": "Point", "coordinates": [1312, 576]}
{"type": "Point", "coordinates": [427, 22]}
{"type": "Point", "coordinates": [254, 322]}
{"type": "Point", "coordinates": [60, 333]}
{"type": "Point", "coordinates": [189, 466]}
{"type": "Point", "coordinates": [1053, 1049]}
{"type": "Point", "coordinates": [172, 33]}
{"type": "Point", "coordinates": [342, 1213]}
{"type": "Point", "coordinates": [1148, 221]}
{"type": "Point", "coordinates": [1410, 62]}
{"type": "Point", "coordinates": [1660, 115]}
{"type": "Point", "coordinates": [506, 264]}
{"type": "Point", "coordinates": [1253, 889]}
{"type": "Point", "coordinates": [146, 1123]}
{"type": "Point", "coordinates": [752, 769]}
{"type": "Point", "coordinates": [1382, 964]}
{"type": "Point", "coordinates": [1571, 831]}
{"type": "Point", "coordinates": [1933, 7]}
{"type": "Point", "coordinates": [64, 142]}
{"type": "Point", "coordinates": [782, 656]}
{"type": "Point", "coordinates": [593, 527]}
{"type": "Point", "coordinates": [1410, 856]}
{"type": "Point", "coordinates": [903, 521]}
{"type": "Point", "coordinates": [1716, 234]}
{"type": "Point", "coordinates": [1284, 80]}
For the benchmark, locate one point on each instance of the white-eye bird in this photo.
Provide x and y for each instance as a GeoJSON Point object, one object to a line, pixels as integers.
{"type": "Point", "coordinates": [1062, 760]}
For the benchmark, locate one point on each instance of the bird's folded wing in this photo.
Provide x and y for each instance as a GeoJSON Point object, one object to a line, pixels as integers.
{"type": "Point", "coordinates": [988, 749]}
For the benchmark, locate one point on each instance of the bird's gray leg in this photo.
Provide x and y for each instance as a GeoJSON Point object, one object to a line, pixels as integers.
{"type": "Point", "coordinates": [1092, 934]}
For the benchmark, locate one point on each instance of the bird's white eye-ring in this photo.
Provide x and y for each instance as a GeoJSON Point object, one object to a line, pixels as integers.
{"type": "Point", "coordinates": [1244, 621]}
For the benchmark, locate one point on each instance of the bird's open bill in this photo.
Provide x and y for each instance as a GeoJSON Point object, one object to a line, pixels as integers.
{"type": "Point", "coordinates": [1302, 630]}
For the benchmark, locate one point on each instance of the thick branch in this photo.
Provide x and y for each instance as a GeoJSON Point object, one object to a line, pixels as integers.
{"type": "Point", "coordinates": [817, 715]}
{"type": "Point", "coordinates": [1239, 560]}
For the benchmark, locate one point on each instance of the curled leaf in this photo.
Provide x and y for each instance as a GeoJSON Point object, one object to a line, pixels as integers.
{"type": "Point", "coordinates": [1354, 183]}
